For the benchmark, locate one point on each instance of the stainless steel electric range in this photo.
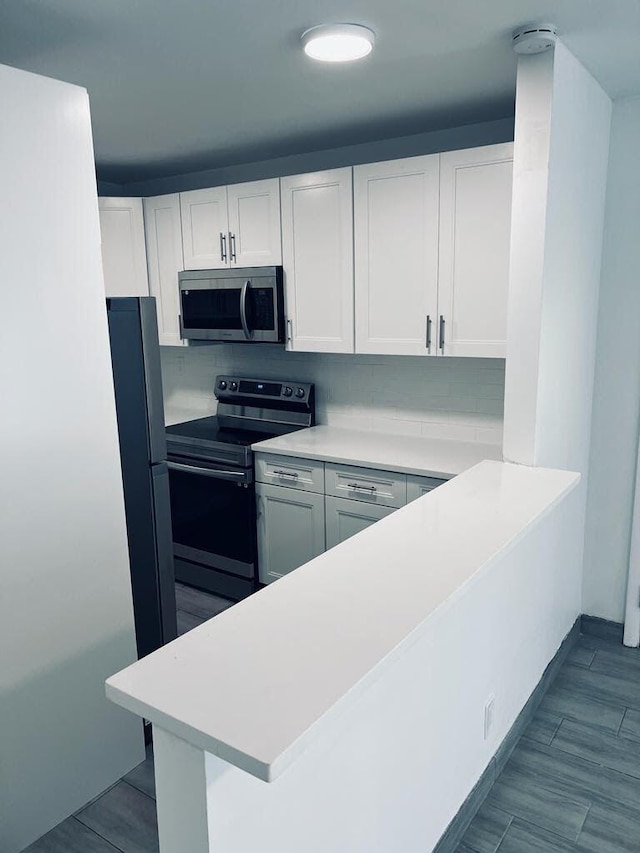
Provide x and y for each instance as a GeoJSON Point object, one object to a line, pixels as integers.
{"type": "Point", "coordinates": [212, 484]}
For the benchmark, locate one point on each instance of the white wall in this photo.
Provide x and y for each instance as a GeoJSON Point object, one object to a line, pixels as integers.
{"type": "Point", "coordinates": [578, 165]}
{"type": "Point", "coordinates": [616, 403]}
{"type": "Point", "coordinates": [66, 620]}
{"type": "Point", "coordinates": [456, 398]}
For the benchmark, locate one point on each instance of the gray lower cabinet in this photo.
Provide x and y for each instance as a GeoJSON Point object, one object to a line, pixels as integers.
{"type": "Point", "coordinates": [291, 529]}
{"type": "Point", "coordinates": [419, 486]}
{"type": "Point", "coordinates": [307, 506]}
{"type": "Point", "coordinates": [345, 518]}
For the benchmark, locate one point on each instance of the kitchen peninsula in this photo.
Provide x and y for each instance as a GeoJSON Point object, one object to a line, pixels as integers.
{"type": "Point", "coordinates": [358, 699]}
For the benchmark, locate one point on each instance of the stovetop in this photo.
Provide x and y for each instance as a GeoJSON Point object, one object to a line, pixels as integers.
{"type": "Point", "coordinates": [249, 410]}
{"type": "Point", "coordinates": [209, 430]}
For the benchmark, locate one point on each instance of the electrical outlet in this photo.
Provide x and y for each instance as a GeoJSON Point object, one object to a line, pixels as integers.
{"type": "Point", "coordinates": [489, 713]}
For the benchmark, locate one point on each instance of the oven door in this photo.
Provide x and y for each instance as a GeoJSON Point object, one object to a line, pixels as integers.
{"type": "Point", "coordinates": [213, 518]}
{"type": "Point", "coordinates": [239, 308]}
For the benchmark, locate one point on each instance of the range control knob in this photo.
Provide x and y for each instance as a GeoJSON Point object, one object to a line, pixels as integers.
{"type": "Point", "coordinates": [299, 392]}
{"type": "Point", "coordinates": [233, 386]}
{"type": "Point", "coordinates": [287, 391]}
{"type": "Point", "coordinates": [222, 385]}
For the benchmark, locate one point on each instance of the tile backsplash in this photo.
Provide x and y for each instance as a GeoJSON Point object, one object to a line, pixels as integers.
{"type": "Point", "coordinates": [456, 398]}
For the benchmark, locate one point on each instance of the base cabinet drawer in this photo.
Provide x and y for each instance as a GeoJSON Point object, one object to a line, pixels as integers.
{"type": "Point", "coordinates": [291, 529]}
{"type": "Point", "coordinates": [419, 486]}
{"type": "Point", "coordinates": [383, 488]}
{"type": "Point", "coordinates": [304, 474]}
{"type": "Point", "coordinates": [345, 518]}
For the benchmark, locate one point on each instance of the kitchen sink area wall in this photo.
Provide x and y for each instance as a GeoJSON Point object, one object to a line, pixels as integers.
{"type": "Point", "coordinates": [450, 398]}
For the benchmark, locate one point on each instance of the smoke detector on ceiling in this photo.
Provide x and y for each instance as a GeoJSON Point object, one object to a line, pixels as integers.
{"type": "Point", "coordinates": [535, 38]}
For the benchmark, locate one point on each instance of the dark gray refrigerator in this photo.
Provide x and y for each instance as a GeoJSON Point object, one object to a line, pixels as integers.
{"type": "Point", "coordinates": [135, 356]}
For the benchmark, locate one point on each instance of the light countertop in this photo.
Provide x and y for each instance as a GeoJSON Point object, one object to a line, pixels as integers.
{"type": "Point", "coordinates": [261, 681]}
{"type": "Point", "coordinates": [405, 454]}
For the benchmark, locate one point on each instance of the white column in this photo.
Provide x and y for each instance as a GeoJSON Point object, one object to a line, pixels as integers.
{"type": "Point", "coordinates": [560, 169]}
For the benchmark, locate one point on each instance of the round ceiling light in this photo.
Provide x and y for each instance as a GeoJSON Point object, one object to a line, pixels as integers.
{"type": "Point", "coordinates": [338, 42]}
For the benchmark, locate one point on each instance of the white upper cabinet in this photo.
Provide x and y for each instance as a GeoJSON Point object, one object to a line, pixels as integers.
{"type": "Point", "coordinates": [475, 224]}
{"type": "Point", "coordinates": [124, 259]}
{"type": "Point", "coordinates": [205, 229]}
{"type": "Point", "coordinates": [254, 224]}
{"type": "Point", "coordinates": [164, 258]}
{"type": "Point", "coordinates": [232, 226]}
{"type": "Point", "coordinates": [317, 243]}
{"type": "Point", "coordinates": [396, 256]}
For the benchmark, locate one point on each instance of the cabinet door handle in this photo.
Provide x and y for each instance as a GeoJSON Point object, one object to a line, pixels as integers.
{"type": "Point", "coordinates": [290, 331]}
{"type": "Point", "coordinates": [441, 333]}
{"type": "Point", "coordinates": [428, 342]}
{"type": "Point", "coordinates": [287, 474]}
{"type": "Point", "coordinates": [358, 488]}
{"type": "Point", "coordinates": [223, 247]}
{"type": "Point", "coordinates": [232, 245]}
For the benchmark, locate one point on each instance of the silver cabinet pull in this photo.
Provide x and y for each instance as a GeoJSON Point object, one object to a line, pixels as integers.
{"type": "Point", "coordinates": [232, 245]}
{"type": "Point", "coordinates": [428, 342]}
{"type": "Point", "coordinates": [358, 488]}
{"type": "Point", "coordinates": [441, 333]}
{"type": "Point", "coordinates": [293, 474]}
{"type": "Point", "coordinates": [290, 330]}
{"type": "Point", "coordinates": [223, 246]}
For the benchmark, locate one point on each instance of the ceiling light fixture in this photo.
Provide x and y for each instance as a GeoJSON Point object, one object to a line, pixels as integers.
{"type": "Point", "coordinates": [338, 42]}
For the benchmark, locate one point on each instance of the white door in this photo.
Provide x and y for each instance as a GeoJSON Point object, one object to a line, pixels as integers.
{"type": "Point", "coordinates": [290, 529]}
{"type": "Point", "coordinates": [396, 256]}
{"type": "Point", "coordinates": [475, 225]}
{"type": "Point", "coordinates": [205, 229]}
{"type": "Point", "coordinates": [164, 258]}
{"type": "Point", "coordinates": [345, 518]}
{"type": "Point", "coordinates": [254, 224]}
{"type": "Point", "coordinates": [317, 245]}
{"type": "Point", "coordinates": [124, 258]}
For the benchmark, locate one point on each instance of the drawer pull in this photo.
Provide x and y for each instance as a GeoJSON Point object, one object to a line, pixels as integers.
{"type": "Point", "coordinates": [358, 488]}
{"type": "Point", "coordinates": [293, 474]}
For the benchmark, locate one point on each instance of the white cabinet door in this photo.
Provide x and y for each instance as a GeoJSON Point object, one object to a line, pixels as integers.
{"type": "Point", "coordinates": [396, 256]}
{"type": "Point", "coordinates": [317, 245]}
{"type": "Point", "coordinates": [164, 258]}
{"type": "Point", "coordinates": [205, 229]}
{"type": "Point", "coordinates": [345, 518]}
{"type": "Point", "coordinates": [475, 224]}
{"type": "Point", "coordinates": [254, 224]}
{"type": "Point", "coordinates": [418, 486]}
{"type": "Point", "coordinates": [124, 258]}
{"type": "Point", "coordinates": [290, 529]}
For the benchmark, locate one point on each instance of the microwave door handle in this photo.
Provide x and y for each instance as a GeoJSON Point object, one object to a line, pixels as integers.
{"type": "Point", "coordinates": [243, 309]}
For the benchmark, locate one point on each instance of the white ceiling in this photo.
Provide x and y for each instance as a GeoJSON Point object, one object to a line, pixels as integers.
{"type": "Point", "coordinates": [183, 85]}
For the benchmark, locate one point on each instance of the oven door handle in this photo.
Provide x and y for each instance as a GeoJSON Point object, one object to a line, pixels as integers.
{"type": "Point", "coordinates": [243, 309]}
{"type": "Point", "coordinates": [214, 473]}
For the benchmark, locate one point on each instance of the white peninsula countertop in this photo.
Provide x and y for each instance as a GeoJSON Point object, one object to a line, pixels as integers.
{"type": "Point", "coordinates": [405, 454]}
{"type": "Point", "coordinates": [260, 682]}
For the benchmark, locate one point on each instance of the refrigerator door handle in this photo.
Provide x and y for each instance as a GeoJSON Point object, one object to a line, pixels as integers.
{"type": "Point", "coordinates": [164, 551]}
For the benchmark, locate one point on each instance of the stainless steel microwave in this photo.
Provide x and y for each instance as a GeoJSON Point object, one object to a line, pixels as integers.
{"type": "Point", "coordinates": [245, 305]}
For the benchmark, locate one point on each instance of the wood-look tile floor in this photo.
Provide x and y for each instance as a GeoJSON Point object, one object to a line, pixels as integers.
{"type": "Point", "coordinates": [572, 784]}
